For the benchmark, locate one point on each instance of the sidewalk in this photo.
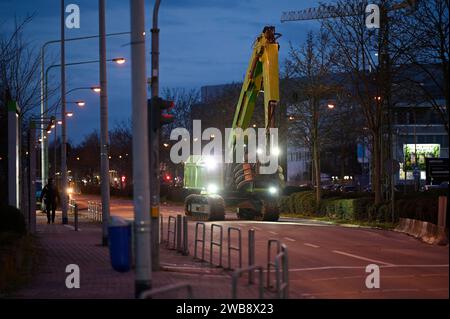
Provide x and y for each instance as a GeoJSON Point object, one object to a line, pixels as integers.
{"type": "Point", "coordinates": [61, 245]}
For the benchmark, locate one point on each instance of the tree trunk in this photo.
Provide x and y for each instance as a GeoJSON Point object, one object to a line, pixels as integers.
{"type": "Point", "coordinates": [376, 171]}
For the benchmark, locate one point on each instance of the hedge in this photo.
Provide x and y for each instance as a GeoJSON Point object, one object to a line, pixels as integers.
{"type": "Point", "coordinates": [420, 206]}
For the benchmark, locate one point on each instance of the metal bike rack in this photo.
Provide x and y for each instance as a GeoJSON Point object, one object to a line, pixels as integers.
{"type": "Point", "coordinates": [238, 248]}
{"type": "Point", "coordinates": [270, 263]}
{"type": "Point", "coordinates": [214, 243]}
{"type": "Point", "coordinates": [185, 245]}
{"type": "Point", "coordinates": [148, 294]}
{"type": "Point", "coordinates": [282, 273]}
{"type": "Point", "coordinates": [73, 209]}
{"type": "Point", "coordinates": [179, 229]}
{"type": "Point", "coordinates": [202, 240]}
{"type": "Point", "coordinates": [161, 230]}
{"type": "Point", "coordinates": [238, 272]}
{"type": "Point", "coordinates": [170, 231]}
{"type": "Point", "coordinates": [251, 253]}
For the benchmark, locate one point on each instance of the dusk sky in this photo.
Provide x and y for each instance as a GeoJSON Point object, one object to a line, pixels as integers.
{"type": "Point", "coordinates": [203, 42]}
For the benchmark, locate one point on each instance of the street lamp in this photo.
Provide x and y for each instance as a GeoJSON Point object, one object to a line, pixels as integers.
{"type": "Point", "coordinates": [80, 103]}
{"type": "Point", "coordinates": [331, 106]}
{"type": "Point", "coordinates": [69, 114]}
{"type": "Point", "coordinates": [119, 60]}
{"type": "Point", "coordinates": [96, 89]}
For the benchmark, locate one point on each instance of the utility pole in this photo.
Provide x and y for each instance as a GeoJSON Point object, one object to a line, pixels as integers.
{"type": "Point", "coordinates": [141, 191]}
{"type": "Point", "coordinates": [154, 143]}
{"type": "Point", "coordinates": [63, 118]}
{"type": "Point", "coordinates": [104, 139]}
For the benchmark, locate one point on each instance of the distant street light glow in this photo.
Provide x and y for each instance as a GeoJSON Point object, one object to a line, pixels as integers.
{"type": "Point", "coordinates": [120, 60]}
{"type": "Point", "coordinates": [96, 89]}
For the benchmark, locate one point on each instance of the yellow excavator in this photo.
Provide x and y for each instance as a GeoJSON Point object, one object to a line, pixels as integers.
{"type": "Point", "coordinates": [241, 185]}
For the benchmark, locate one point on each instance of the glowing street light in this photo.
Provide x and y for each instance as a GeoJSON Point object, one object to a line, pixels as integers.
{"type": "Point", "coordinates": [119, 60]}
{"type": "Point", "coordinates": [80, 103]}
{"type": "Point", "coordinates": [69, 114]}
{"type": "Point", "coordinates": [59, 122]}
{"type": "Point", "coordinates": [331, 106]}
{"type": "Point", "coordinates": [96, 89]}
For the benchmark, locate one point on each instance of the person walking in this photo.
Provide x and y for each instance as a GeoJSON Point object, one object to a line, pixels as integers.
{"type": "Point", "coordinates": [50, 194]}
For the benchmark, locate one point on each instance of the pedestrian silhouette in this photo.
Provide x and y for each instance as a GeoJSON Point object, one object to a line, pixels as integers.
{"type": "Point", "coordinates": [49, 194]}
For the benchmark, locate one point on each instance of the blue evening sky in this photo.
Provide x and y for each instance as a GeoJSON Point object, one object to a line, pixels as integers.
{"type": "Point", "coordinates": [203, 42]}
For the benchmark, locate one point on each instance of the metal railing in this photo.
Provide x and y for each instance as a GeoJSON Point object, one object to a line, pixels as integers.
{"type": "Point", "coordinates": [237, 274]}
{"type": "Point", "coordinates": [282, 273]}
{"type": "Point", "coordinates": [238, 248]}
{"type": "Point", "coordinates": [185, 244]}
{"type": "Point", "coordinates": [215, 243]}
{"type": "Point", "coordinates": [271, 263]}
{"type": "Point", "coordinates": [95, 211]}
{"type": "Point", "coordinates": [202, 240]}
{"type": "Point", "coordinates": [150, 293]}
{"type": "Point", "coordinates": [171, 231]}
{"type": "Point", "coordinates": [251, 253]}
{"type": "Point", "coordinates": [73, 210]}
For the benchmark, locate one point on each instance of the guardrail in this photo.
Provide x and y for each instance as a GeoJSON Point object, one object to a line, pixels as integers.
{"type": "Point", "coordinates": [202, 241]}
{"type": "Point", "coordinates": [215, 243]}
{"type": "Point", "coordinates": [282, 273]}
{"type": "Point", "coordinates": [238, 272]}
{"type": "Point", "coordinates": [238, 248]}
{"type": "Point", "coordinates": [150, 293]}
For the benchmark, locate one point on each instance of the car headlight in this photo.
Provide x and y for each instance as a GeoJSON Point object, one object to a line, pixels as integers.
{"type": "Point", "coordinates": [210, 163]}
{"type": "Point", "coordinates": [273, 190]}
{"type": "Point", "coordinates": [69, 190]}
{"type": "Point", "coordinates": [212, 188]}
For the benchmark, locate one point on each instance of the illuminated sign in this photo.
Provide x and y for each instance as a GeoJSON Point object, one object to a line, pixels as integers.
{"type": "Point", "coordinates": [415, 154]}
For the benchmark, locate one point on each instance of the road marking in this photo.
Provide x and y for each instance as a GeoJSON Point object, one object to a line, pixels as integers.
{"type": "Point", "coordinates": [290, 239]}
{"type": "Point", "coordinates": [437, 289]}
{"type": "Point", "coordinates": [273, 233]}
{"type": "Point", "coordinates": [362, 258]}
{"type": "Point", "coordinates": [311, 245]}
{"type": "Point", "coordinates": [257, 228]}
{"type": "Point", "coordinates": [363, 267]}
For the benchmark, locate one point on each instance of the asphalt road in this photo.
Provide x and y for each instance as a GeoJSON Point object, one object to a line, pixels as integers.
{"type": "Point", "coordinates": [327, 261]}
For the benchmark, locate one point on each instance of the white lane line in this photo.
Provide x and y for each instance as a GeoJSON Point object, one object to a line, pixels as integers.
{"type": "Point", "coordinates": [311, 245]}
{"type": "Point", "coordinates": [360, 267]}
{"type": "Point", "coordinates": [273, 233]}
{"type": "Point", "coordinates": [290, 239]}
{"type": "Point", "coordinates": [362, 258]}
{"type": "Point", "coordinates": [257, 228]}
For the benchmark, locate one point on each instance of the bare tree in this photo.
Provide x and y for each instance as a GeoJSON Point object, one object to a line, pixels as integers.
{"type": "Point", "coordinates": [310, 70]}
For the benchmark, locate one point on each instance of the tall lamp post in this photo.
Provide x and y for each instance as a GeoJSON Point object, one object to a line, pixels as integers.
{"type": "Point", "coordinates": [154, 142]}
{"type": "Point", "coordinates": [63, 118]}
{"type": "Point", "coordinates": [141, 191]}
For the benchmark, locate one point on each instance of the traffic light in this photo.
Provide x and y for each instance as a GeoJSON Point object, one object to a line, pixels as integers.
{"type": "Point", "coordinates": [160, 112]}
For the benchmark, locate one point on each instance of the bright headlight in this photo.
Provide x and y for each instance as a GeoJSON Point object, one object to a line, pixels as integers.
{"type": "Point", "coordinates": [210, 163]}
{"type": "Point", "coordinates": [69, 190]}
{"type": "Point", "coordinates": [273, 190]}
{"type": "Point", "coordinates": [212, 188]}
{"type": "Point", "coordinates": [276, 151]}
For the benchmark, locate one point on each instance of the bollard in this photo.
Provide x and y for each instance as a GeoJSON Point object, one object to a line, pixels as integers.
{"type": "Point", "coordinates": [173, 232]}
{"type": "Point", "coordinates": [196, 240]}
{"type": "Point", "coordinates": [179, 230]}
{"type": "Point", "coordinates": [230, 248]}
{"type": "Point", "coordinates": [269, 258]}
{"type": "Point", "coordinates": [251, 253]}
{"type": "Point", "coordinates": [238, 273]}
{"type": "Point", "coordinates": [213, 243]}
{"type": "Point", "coordinates": [185, 250]}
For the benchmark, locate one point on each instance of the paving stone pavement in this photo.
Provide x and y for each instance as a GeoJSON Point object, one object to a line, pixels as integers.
{"type": "Point", "coordinates": [60, 246]}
